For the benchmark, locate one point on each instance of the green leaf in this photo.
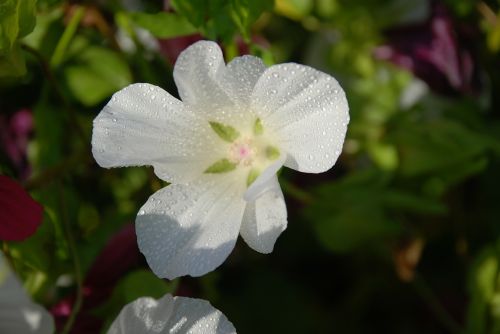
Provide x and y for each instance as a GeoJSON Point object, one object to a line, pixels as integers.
{"type": "Point", "coordinates": [9, 27]}
{"type": "Point", "coordinates": [437, 147]}
{"type": "Point", "coordinates": [403, 200]}
{"type": "Point", "coordinates": [225, 132]}
{"type": "Point", "coordinates": [484, 290]}
{"type": "Point", "coordinates": [363, 209]}
{"type": "Point", "coordinates": [294, 9]}
{"type": "Point", "coordinates": [95, 74]}
{"type": "Point", "coordinates": [26, 16]}
{"type": "Point", "coordinates": [17, 19]}
{"type": "Point", "coordinates": [221, 166]}
{"type": "Point", "coordinates": [349, 214]}
{"type": "Point", "coordinates": [143, 283]}
{"type": "Point", "coordinates": [12, 64]}
{"type": "Point", "coordinates": [221, 19]}
{"type": "Point", "coordinates": [163, 24]}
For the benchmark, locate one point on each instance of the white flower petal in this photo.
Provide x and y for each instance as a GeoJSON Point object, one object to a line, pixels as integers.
{"type": "Point", "coordinates": [241, 75]}
{"type": "Point", "coordinates": [265, 218]}
{"type": "Point", "coordinates": [198, 74]}
{"type": "Point", "coordinates": [171, 315]}
{"type": "Point", "coordinates": [307, 110]}
{"type": "Point", "coordinates": [144, 125]}
{"type": "Point", "coordinates": [190, 229]}
{"type": "Point", "coordinates": [18, 314]}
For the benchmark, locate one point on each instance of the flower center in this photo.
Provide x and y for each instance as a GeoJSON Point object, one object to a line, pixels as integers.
{"type": "Point", "coordinates": [242, 152]}
{"type": "Point", "coordinates": [250, 151]}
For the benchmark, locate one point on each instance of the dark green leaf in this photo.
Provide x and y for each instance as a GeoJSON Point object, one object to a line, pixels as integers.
{"type": "Point", "coordinates": [96, 74]}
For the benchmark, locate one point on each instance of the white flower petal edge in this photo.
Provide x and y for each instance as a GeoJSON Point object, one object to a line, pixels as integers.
{"type": "Point", "coordinates": [18, 314]}
{"type": "Point", "coordinates": [221, 147]}
{"type": "Point", "coordinates": [265, 218]}
{"type": "Point", "coordinates": [171, 315]}
{"type": "Point", "coordinates": [144, 125]}
{"type": "Point", "coordinates": [190, 229]}
{"type": "Point", "coordinates": [198, 74]}
{"type": "Point", "coordinates": [308, 112]}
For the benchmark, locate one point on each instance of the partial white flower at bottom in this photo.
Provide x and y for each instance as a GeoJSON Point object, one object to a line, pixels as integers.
{"type": "Point", "coordinates": [220, 147]}
{"type": "Point", "coordinates": [18, 314]}
{"type": "Point", "coordinates": [172, 315]}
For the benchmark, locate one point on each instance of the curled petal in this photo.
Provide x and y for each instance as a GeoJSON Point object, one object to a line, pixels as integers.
{"type": "Point", "coordinates": [265, 218]}
{"type": "Point", "coordinates": [261, 184]}
{"type": "Point", "coordinates": [190, 229]}
{"type": "Point", "coordinates": [171, 315]}
{"type": "Point", "coordinates": [308, 111]}
{"type": "Point", "coordinates": [144, 125]}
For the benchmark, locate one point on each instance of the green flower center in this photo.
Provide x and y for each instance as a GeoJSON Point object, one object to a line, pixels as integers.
{"type": "Point", "coordinates": [250, 151]}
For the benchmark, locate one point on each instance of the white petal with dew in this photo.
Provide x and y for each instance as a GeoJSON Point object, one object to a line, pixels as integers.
{"type": "Point", "coordinates": [198, 74]}
{"type": "Point", "coordinates": [308, 111]}
{"type": "Point", "coordinates": [240, 77]}
{"type": "Point", "coordinates": [144, 125]}
{"type": "Point", "coordinates": [171, 315]}
{"type": "Point", "coordinates": [191, 229]}
{"type": "Point", "coordinates": [265, 218]}
{"type": "Point", "coordinates": [18, 314]}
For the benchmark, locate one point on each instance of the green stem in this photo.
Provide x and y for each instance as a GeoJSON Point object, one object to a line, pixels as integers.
{"type": "Point", "coordinates": [66, 37]}
{"type": "Point", "coordinates": [435, 306]}
{"type": "Point", "coordinates": [76, 262]}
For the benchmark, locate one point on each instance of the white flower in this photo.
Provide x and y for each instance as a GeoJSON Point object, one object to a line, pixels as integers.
{"type": "Point", "coordinates": [18, 314]}
{"type": "Point", "coordinates": [171, 315]}
{"type": "Point", "coordinates": [221, 147]}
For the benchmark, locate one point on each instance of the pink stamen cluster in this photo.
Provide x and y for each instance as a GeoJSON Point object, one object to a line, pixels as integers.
{"type": "Point", "coordinates": [242, 152]}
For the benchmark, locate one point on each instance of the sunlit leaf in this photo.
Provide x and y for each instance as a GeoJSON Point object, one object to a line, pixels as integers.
{"type": "Point", "coordinates": [164, 25]}
{"type": "Point", "coordinates": [96, 74]}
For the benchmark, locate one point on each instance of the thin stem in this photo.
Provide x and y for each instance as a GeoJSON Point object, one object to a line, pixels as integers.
{"type": "Point", "coordinates": [66, 37]}
{"type": "Point", "coordinates": [435, 306]}
{"type": "Point", "coordinates": [76, 262]}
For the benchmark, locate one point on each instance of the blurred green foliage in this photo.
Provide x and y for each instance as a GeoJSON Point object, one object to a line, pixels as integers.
{"type": "Point", "coordinates": [418, 167]}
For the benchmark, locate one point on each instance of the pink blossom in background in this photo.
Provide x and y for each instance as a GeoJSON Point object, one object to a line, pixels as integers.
{"type": "Point", "coordinates": [172, 47]}
{"type": "Point", "coordinates": [15, 132]}
{"type": "Point", "coordinates": [117, 258]}
{"type": "Point", "coordinates": [437, 51]}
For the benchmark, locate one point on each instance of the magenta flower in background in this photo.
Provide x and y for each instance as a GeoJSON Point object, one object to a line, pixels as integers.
{"type": "Point", "coordinates": [20, 215]}
{"type": "Point", "coordinates": [437, 51]}
{"type": "Point", "coordinates": [15, 132]}
{"type": "Point", "coordinates": [171, 48]}
{"type": "Point", "coordinates": [119, 256]}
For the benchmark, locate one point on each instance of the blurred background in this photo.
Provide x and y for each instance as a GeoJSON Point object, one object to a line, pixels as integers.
{"type": "Point", "coordinates": [401, 236]}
